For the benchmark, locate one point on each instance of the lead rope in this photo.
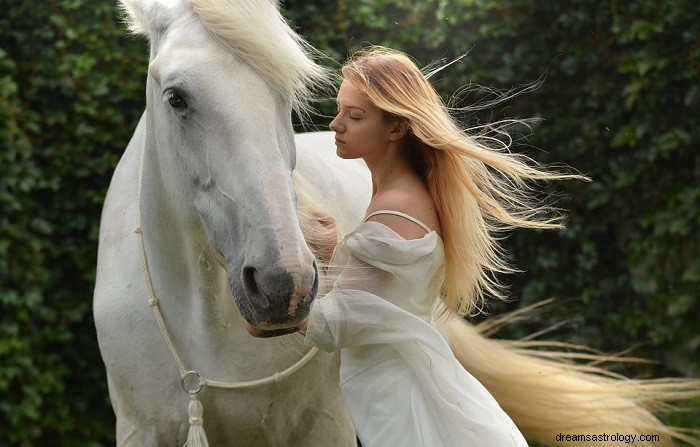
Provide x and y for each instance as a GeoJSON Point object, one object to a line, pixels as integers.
{"type": "Point", "coordinates": [192, 382]}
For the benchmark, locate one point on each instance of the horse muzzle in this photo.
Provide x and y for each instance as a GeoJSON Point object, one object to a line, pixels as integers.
{"type": "Point", "coordinates": [276, 301]}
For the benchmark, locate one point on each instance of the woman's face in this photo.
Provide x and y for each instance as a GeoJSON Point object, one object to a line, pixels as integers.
{"type": "Point", "coordinates": [361, 129]}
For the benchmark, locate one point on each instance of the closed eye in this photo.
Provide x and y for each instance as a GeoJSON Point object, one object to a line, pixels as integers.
{"type": "Point", "coordinates": [354, 118]}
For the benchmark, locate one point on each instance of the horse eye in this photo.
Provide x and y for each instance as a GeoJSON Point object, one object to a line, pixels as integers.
{"type": "Point", "coordinates": [176, 100]}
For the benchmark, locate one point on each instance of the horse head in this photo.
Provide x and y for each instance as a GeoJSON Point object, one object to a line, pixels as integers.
{"type": "Point", "coordinates": [219, 99]}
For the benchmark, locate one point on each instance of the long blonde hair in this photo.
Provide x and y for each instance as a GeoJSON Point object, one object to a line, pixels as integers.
{"type": "Point", "coordinates": [480, 188]}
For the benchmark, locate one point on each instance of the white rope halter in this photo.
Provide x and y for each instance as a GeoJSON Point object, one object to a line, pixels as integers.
{"type": "Point", "coordinates": [187, 375]}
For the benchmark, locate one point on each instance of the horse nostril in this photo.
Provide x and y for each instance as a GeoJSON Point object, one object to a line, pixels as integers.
{"type": "Point", "coordinates": [311, 295]}
{"type": "Point", "coordinates": [252, 288]}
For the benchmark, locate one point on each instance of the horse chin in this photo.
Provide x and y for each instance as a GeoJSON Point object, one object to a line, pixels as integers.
{"type": "Point", "coordinates": [268, 333]}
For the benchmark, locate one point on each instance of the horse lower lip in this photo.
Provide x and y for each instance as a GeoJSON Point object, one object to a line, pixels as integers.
{"type": "Point", "coordinates": [261, 333]}
{"type": "Point", "coordinates": [278, 332]}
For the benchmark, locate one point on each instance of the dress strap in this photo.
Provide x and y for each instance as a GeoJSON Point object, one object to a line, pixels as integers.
{"type": "Point", "coordinates": [404, 215]}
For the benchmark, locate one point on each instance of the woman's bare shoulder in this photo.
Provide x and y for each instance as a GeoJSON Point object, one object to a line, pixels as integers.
{"type": "Point", "coordinates": [413, 201]}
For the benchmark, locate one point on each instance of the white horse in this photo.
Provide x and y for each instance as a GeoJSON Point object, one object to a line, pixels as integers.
{"type": "Point", "coordinates": [200, 243]}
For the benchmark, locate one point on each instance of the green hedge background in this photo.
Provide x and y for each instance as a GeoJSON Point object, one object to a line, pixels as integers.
{"type": "Point", "coordinates": [620, 102]}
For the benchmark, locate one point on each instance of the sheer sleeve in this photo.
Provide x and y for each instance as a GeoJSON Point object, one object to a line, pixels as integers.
{"type": "Point", "coordinates": [361, 308]}
{"type": "Point", "coordinates": [338, 319]}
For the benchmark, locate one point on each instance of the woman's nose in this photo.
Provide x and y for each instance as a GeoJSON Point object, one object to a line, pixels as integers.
{"type": "Point", "coordinates": [335, 125]}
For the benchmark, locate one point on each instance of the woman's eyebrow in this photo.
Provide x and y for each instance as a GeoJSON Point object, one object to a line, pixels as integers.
{"type": "Point", "coordinates": [351, 107]}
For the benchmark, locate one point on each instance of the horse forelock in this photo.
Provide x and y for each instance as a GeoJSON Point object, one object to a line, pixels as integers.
{"type": "Point", "coordinates": [260, 35]}
{"type": "Point", "coordinates": [255, 30]}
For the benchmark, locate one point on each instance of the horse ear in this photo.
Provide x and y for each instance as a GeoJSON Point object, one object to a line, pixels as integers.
{"type": "Point", "coordinates": [134, 16]}
{"type": "Point", "coordinates": [145, 17]}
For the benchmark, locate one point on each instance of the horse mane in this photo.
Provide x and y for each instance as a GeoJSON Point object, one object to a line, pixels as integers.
{"type": "Point", "coordinates": [257, 31]}
{"type": "Point", "coordinates": [254, 30]}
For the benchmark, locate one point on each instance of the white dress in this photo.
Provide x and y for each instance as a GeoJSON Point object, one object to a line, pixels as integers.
{"type": "Point", "coordinates": [401, 382]}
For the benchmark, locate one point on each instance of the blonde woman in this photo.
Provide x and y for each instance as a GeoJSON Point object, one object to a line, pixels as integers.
{"type": "Point", "coordinates": [440, 200]}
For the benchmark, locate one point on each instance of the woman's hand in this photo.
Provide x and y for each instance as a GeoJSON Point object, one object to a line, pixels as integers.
{"type": "Point", "coordinates": [303, 326]}
{"type": "Point", "coordinates": [326, 235]}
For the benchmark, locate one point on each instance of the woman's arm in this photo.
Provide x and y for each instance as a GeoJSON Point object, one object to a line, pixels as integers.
{"type": "Point", "coordinates": [344, 314]}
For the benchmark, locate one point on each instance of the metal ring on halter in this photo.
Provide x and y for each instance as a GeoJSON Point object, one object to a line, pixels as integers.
{"type": "Point", "coordinates": [189, 386]}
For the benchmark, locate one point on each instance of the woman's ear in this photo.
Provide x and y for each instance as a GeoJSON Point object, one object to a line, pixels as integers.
{"type": "Point", "coordinates": [399, 128]}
